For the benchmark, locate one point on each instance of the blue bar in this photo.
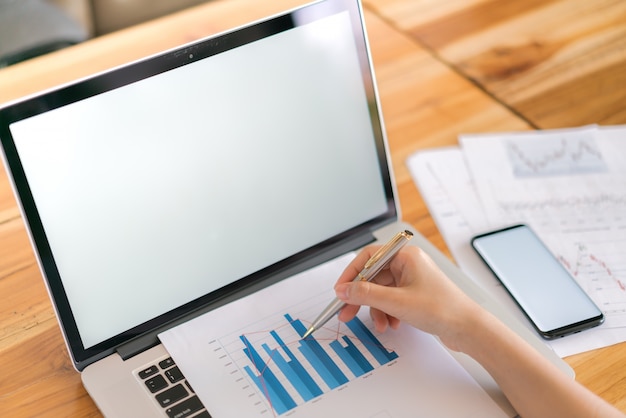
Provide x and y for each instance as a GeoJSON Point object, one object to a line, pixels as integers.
{"type": "Point", "coordinates": [370, 342]}
{"type": "Point", "coordinates": [297, 325]}
{"type": "Point", "coordinates": [294, 377]}
{"type": "Point", "coordinates": [352, 357]}
{"type": "Point", "coordinates": [269, 391]}
{"type": "Point", "coordinates": [303, 379]}
{"type": "Point", "coordinates": [318, 352]}
{"type": "Point", "coordinates": [354, 367]}
{"type": "Point", "coordinates": [319, 366]}
{"type": "Point", "coordinates": [358, 356]}
{"type": "Point", "coordinates": [315, 354]}
{"type": "Point", "coordinates": [290, 374]}
{"type": "Point", "coordinates": [267, 382]}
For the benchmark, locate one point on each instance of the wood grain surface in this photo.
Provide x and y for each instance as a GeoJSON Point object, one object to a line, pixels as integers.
{"type": "Point", "coordinates": [443, 68]}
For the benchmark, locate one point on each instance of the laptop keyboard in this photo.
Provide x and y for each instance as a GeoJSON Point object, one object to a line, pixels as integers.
{"type": "Point", "coordinates": [171, 391]}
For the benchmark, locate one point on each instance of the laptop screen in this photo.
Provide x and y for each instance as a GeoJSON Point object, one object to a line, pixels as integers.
{"type": "Point", "coordinates": [155, 186]}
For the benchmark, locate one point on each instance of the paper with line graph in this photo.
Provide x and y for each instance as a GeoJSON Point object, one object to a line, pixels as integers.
{"type": "Point", "coordinates": [248, 359]}
{"type": "Point", "coordinates": [496, 180]}
{"type": "Point", "coordinates": [570, 187]}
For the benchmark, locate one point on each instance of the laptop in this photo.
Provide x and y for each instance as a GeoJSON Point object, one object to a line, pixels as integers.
{"type": "Point", "coordinates": [165, 188]}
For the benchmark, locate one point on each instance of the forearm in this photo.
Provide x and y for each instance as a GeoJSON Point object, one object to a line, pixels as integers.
{"type": "Point", "coordinates": [533, 385]}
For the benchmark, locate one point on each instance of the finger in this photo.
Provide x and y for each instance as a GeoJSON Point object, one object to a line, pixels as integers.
{"type": "Point", "coordinates": [348, 312]}
{"type": "Point", "coordinates": [384, 298]}
{"type": "Point", "coordinates": [394, 322]}
{"type": "Point", "coordinates": [381, 320]}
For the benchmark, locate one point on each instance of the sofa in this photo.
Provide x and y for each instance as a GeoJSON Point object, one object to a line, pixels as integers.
{"type": "Point", "coordinates": [29, 28]}
{"type": "Point", "coordinates": [99, 17]}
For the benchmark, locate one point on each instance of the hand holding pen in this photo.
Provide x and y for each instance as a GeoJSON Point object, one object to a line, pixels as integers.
{"type": "Point", "coordinates": [373, 266]}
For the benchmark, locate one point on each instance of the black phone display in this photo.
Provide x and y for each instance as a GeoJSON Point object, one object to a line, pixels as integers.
{"type": "Point", "coordinates": [546, 292]}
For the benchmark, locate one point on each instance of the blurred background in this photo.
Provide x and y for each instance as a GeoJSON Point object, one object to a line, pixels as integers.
{"type": "Point", "coordinates": [29, 28]}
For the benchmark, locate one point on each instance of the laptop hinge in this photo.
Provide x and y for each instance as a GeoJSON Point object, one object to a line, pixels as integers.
{"type": "Point", "coordinates": [136, 346]}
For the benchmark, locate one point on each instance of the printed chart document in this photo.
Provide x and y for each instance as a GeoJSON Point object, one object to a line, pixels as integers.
{"type": "Point", "coordinates": [247, 359]}
{"type": "Point", "coordinates": [568, 185]}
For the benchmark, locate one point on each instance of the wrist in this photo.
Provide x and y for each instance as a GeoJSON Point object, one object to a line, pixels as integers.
{"type": "Point", "coordinates": [468, 331]}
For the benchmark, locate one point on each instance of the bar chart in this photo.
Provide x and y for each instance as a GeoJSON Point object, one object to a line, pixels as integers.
{"type": "Point", "coordinates": [289, 371]}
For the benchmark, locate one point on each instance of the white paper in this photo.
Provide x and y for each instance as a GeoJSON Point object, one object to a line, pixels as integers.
{"type": "Point", "coordinates": [573, 194]}
{"type": "Point", "coordinates": [423, 380]}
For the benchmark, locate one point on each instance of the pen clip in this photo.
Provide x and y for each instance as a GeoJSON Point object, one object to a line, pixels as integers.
{"type": "Point", "coordinates": [388, 247]}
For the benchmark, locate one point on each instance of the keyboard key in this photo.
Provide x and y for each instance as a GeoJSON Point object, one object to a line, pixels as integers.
{"type": "Point", "coordinates": [174, 375]}
{"type": "Point", "coordinates": [189, 387]}
{"type": "Point", "coordinates": [148, 372]}
{"type": "Point", "coordinates": [185, 408]}
{"type": "Point", "coordinates": [156, 383]}
{"type": "Point", "coordinates": [172, 395]}
{"type": "Point", "coordinates": [168, 362]}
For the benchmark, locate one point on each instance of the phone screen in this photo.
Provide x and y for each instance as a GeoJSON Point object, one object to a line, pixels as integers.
{"type": "Point", "coordinates": [541, 286]}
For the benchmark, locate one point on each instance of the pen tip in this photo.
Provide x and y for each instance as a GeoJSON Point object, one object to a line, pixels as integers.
{"type": "Point", "coordinates": [308, 332]}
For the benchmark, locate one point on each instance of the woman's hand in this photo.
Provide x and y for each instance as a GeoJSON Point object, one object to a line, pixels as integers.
{"type": "Point", "coordinates": [411, 289]}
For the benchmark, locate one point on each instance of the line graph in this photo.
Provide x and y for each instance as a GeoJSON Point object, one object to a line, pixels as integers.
{"type": "Point", "coordinates": [603, 277]}
{"type": "Point", "coordinates": [289, 371]}
{"type": "Point", "coordinates": [569, 185]}
{"type": "Point", "coordinates": [598, 202]}
{"type": "Point", "coordinates": [563, 210]}
{"type": "Point", "coordinates": [576, 154]}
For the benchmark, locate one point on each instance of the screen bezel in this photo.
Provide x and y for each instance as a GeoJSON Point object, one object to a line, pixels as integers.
{"type": "Point", "coordinates": [158, 64]}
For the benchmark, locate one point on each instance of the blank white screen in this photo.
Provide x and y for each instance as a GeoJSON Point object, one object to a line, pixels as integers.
{"type": "Point", "coordinates": [156, 193]}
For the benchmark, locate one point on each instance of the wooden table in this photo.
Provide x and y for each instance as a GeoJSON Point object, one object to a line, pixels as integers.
{"type": "Point", "coordinates": [443, 68]}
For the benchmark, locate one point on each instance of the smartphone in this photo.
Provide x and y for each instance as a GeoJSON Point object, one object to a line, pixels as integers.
{"type": "Point", "coordinates": [544, 290]}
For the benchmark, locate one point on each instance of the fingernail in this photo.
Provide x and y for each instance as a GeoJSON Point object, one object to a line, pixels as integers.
{"type": "Point", "coordinates": [341, 290]}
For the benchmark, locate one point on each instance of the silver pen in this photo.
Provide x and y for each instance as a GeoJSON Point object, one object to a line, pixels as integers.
{"type": "Point", "coordinates": [373, 266]}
